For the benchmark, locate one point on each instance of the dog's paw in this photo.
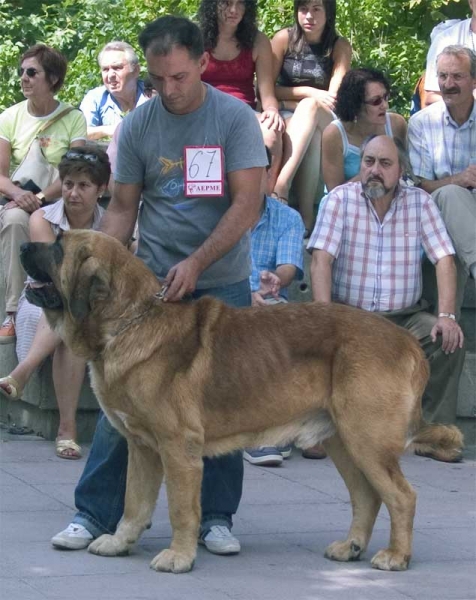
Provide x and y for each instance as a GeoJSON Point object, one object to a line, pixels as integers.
{"type": "Point", "coordinates": [171, 561]}
{"type": "Point", "coordinates": [109, 545]}
{"type": "Point", "coordinates": [389, 560]}
{"type": "Point", "coordinates": [344, 551]}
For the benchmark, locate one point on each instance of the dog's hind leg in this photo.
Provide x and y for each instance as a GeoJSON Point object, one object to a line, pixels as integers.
{"type": "Point", "coordinates": [365, 504]}
{"type": "Point", "coordinates": [144, 476]}
{"type": "Point", "coordinates": [378, 459]}
{"type": "Point", "coordinates": [183, 466]}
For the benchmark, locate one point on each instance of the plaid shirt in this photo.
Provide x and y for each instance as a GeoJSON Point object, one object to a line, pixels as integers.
{"type": "Point", "coordinates": [438, 146]}
{"type": "Point", "coordinates": [378, 264]}
{"type": "Point", "coordinates": [276, 240]}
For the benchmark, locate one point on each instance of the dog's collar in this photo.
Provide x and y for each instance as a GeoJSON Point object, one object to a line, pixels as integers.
{"type": "Point", "coordinates": [161, 295]}
{"type": "Point", "coordinates": [157, 296]}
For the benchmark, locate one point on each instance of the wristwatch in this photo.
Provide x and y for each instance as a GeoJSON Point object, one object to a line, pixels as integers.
{"type": "Point", "coordinates": [41, 197]}
{"type": "Point", "coordinates": [449, 315]}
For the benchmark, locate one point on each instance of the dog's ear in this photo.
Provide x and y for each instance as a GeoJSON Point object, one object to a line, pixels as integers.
{"type": "Point", "coordinates": [91, 286]}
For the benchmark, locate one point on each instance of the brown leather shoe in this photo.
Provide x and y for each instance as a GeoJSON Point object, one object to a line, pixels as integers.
{"type": "Point", "coordinates": [315, 452]}
{"type": "Point", "coordinates": [7, 330]}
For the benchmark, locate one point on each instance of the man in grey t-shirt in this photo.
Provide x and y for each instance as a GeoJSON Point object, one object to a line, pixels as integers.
{"type": "Point", "coordinates": [195, 156]}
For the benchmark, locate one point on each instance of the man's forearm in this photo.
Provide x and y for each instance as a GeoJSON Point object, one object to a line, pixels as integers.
{"type": "Point", "coordinates": [102, 131]}
{"type": "Point", "coordinates": [286, 274]}
{"type": "Point", "coordinates": [233, 225]}
{"type": "Point", "coordinates": [446, 281]}
{"type": "Point", "coordinates": [120, 218]}
{"type": "Point", "coordinates": [321, 276]}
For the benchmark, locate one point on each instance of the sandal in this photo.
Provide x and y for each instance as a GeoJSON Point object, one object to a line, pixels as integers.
{"type": "Point", "coordinates": [15, 392]}
{"type": "Point", "coordinates": [281, 199]}
{"type": "Point", "coordinates": [62, 446]}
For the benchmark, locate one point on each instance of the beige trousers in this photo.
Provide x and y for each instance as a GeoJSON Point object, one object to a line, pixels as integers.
{"type": "Point", "coordinates": [14, 231]}
{"type": "Point", "coordinates": [441, 394]}
{"type": "Point", "coordinates": [458, 209]}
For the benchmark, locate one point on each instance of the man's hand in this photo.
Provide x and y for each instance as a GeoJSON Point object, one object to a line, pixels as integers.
{"type": "Point", "coordinates": [25, 200]}
{"type": "Point", "coordinates": [450, 331]}
{"type": "Point", "coordinates": [466, 178]}
{"type": "Point", "coordinates": [182, 279]}
{"type": "Point", "coordinates": [270, 284]}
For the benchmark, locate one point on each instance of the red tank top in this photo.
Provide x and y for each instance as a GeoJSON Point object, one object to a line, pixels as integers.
{"type": "Point", "coordinates": [234, 77]}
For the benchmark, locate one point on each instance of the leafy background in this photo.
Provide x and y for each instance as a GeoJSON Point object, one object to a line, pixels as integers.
{"type": "Point", "coordinates": [392, 35]}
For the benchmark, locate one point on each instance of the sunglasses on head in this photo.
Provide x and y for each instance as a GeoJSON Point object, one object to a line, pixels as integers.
{"type": "Point", "coordinates": [31, 72]}
{"type": "Point", "coordinates": [378, 101]}
{"type": "Point", "coordinates": [73, 155]}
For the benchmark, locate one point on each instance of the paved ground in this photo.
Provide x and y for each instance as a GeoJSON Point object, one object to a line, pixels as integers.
{"type": "Point", "coordinates": [287, 517]}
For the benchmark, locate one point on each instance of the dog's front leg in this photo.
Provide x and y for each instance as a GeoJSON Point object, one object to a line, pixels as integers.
{"type": "Point", "coordinates": [183, 466]}
{"type": "Point", "coordinates": [144, 476]}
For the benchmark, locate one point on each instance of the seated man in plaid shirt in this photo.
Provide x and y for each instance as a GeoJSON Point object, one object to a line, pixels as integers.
{"type": "Point", "coordinates": [276, 260]}
{"type": "Point", "coordinates": [366, 252]}
{"type": "Point", "coordinates": [442, 145]}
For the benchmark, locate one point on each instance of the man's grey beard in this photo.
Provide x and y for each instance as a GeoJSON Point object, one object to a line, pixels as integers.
{"type": "Point", "coordinates": [375, 189]}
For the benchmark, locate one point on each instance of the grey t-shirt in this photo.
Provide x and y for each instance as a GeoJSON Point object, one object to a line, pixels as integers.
{"type": "Point", "coordinates": [151, 152]}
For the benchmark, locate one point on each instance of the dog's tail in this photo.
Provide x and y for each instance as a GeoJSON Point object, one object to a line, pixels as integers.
{"type": "Point", "coordinates": [442, 442]}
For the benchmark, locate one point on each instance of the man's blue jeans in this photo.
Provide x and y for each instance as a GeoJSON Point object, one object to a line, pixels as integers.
{"type": "Point", "coordinates": [99, 495]}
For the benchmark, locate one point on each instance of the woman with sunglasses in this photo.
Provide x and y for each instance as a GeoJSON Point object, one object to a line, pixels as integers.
{"type": "Point", "coordinates": [237, 53]}
{"type": "Point", "coordinates": [362, 111]}
{"type": "Point", "coordinates": [42, 72]}
{"type": "Point", "coordinates": [310, 61]}
{"type": "Point", "coordinates": [84, 174]}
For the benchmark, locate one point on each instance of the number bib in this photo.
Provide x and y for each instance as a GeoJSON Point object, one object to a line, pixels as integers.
{"type": "Point", "coordinates": [203, 173]}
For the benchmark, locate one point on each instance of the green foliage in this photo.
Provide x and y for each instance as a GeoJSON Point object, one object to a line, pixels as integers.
{"type": "Point", "coordinates": [392, 35]}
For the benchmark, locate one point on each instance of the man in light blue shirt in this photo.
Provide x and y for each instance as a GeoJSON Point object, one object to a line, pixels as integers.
{"type": "Point", "coordinates": [442, 144]}
{"type": "Point", "coordinates": [105, 106]}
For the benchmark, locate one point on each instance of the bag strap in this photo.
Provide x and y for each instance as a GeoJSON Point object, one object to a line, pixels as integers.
{"type": "Point", "coordinates": [54, 120]}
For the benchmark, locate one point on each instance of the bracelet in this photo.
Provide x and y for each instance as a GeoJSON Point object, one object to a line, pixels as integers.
{"type": "Point", "coordinates": [451, 316]}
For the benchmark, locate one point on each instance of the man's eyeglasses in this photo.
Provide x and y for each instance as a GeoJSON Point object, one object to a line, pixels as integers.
{"type": "Point", "coordinates": [377, 101]}
{"type": "Point", "coordinates": [31, 72]}
{"type": "Point", "coordinates": [73, 155]}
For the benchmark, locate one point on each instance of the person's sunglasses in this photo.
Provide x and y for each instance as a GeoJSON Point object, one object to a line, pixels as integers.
{"type": "Point", "coordinates": [72, 155]}
{"type": "Point", "coordinates": [377, 101]}
{"type": "Point", "coordinates": [31, 72]}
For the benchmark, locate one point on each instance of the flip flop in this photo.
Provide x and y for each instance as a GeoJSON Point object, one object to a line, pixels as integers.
{"type": "Point", "coordinates": [63, 445]}
{"type": "Point", "coordinates": [15, 390]}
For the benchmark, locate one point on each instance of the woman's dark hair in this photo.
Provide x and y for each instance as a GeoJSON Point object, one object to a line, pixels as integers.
{"type": "Point", "coordinates": [168, 32]}
{"type": "Point", "coordinates": [208, 21]}
{"type": "Point", "coordinates": [351, 92]}
{"type": "Point", "coordinates": [90, 160]}
{"type": "Point", "coordinates": [52, 61]}
{"type": "Point", "coordinates": [329, 35]}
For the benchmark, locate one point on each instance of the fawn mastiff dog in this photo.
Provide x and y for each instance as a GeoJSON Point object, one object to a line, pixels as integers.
{"type": "Point", "coordinates": [185, 380]}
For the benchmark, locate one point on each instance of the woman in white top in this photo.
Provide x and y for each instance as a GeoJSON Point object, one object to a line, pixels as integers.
{"type": "Point", "coordinates": [362, 111]}
{"type": "Point", "coordinates": [84, 173]}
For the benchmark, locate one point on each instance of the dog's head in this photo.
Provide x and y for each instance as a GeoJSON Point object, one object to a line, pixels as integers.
{"type": "Point", "coordinates": [85, 280]}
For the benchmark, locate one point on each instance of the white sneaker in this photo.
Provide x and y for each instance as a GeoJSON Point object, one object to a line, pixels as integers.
{"type": "Point", "coordinates": [219, 540]}
{"type": "Point", "coordinates": [74, 537]}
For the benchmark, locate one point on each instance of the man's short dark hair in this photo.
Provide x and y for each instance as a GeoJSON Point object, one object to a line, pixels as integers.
{"type": "Point", "coordinates": [165, 33]}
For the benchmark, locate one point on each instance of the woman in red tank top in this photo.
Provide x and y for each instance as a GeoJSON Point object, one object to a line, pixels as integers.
{"type": "Point", "coordinates": [238, 53]}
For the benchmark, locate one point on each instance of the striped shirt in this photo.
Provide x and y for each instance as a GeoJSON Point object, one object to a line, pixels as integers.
{"type": "Point", "coordinates": [276, 240]}
{"type": "Point", "coordinates": [438, 146]}
{"type": "Point", "coordinates": [378, 264]}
